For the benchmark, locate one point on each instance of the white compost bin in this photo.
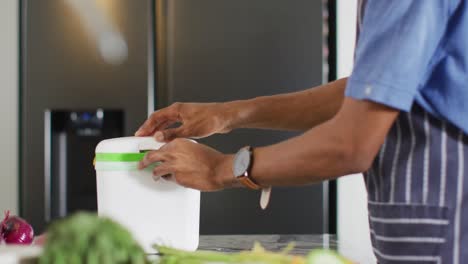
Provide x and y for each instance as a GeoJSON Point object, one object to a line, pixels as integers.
{"type": "Point", "coordinates": [155, 212]}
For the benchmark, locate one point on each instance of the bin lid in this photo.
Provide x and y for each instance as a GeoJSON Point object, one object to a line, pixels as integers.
{"type": "Point", "coordinates": [128, 145]}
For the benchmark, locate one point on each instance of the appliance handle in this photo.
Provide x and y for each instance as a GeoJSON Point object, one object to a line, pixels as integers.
{"type": "Point", "coordinates": [151, 57]}
{"type": "Point", "coordinates": [325, 207]}
{"type": "Point", "coordinates": [47, 166]}
{"type": "Point", "coordinates": [62, 174]}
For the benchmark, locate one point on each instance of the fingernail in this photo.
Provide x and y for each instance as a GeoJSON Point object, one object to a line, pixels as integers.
{"type": "Point", "coordinates": [159, 136]}
{"type": "Point", "coordinates": [140, 165]}
{"type": "Point", "coordinates": [156, 178]}
{"type": "Point", "coordinates": [138, 133]}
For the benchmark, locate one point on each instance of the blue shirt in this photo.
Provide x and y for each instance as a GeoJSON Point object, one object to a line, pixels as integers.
{"type": "Point", "coordinates": [414, 51]}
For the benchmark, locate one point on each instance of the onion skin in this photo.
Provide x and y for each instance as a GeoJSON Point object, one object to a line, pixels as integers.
{"type": "Point", "coordinates": [16, 230]}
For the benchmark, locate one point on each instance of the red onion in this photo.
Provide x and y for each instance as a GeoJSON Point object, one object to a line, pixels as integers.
{"type": "Point", "coordinates": [16, 230]}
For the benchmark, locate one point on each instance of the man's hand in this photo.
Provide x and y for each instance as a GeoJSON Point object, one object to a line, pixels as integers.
{"type": "Point", "coordinates": [198, 120]}
{"type": "Point", "coordinates": [291, 111]}
{"type": "Point", "coordinates": [191, 165]}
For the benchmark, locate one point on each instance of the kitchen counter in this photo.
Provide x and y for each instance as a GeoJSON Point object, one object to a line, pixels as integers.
{"type": "Point", "coordinates": [220, 243]}
{"type": "Point", "coordinates": [234, 243]}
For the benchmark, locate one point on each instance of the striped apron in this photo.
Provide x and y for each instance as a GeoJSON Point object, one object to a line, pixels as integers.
{"type": "Point", "coordinates": [418, 191]}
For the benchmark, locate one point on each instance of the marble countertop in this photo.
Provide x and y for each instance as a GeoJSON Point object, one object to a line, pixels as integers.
{"type": "Point", "coordinates": [235, 243]}
{"type": "Point", "coordinates": [226, 243]}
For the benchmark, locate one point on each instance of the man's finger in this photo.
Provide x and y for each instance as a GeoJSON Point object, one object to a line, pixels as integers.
{"type": "Point", "coordinates": [152, 157]}
{"type": "Point", "coordinates": [170, 134]}
{"type": "Point", "coordinates": [162, 126]}
{"type": "Point", "coordinates": [148, 126]}
{"type": "Point", "coordinates": [157, 120]}
{"type": "Point", "coordinates": [163, 170]}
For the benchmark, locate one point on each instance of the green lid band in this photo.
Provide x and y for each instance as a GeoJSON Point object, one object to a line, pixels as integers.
{"type": "Point", "coordinates": [119, 157]}
{"type": "Point", "coordinates": [122, 166]}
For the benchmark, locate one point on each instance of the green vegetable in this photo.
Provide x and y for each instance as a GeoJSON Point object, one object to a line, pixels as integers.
{"type": "Point", "coordinates": [258, 255]}
{"type": "Point", "coordinates": [86, 238]}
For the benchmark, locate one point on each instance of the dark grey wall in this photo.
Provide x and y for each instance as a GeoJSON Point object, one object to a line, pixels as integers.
{"type": "Point", "coordinates": [220, 50]}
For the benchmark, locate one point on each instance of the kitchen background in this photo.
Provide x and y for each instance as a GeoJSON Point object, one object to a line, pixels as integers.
{"type": "Point", "coordinates": [87, 74]}
{"type": "Point", "coordinates": [351, 220]}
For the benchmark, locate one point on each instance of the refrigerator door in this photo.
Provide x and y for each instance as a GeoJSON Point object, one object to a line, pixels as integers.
{"type": "Point", "coordinates": [221, 50]}
{"type": "Point", "coordinates": [63, 68]}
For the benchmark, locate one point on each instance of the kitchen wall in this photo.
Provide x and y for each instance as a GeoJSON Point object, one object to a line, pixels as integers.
{"type": "Point", "coordinates": [353, 226]}
{"type": "Point", "coordinates": [9, 105]}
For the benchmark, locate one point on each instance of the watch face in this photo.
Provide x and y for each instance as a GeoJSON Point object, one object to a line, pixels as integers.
{"type": "Point", "coordinates": [241, 162]}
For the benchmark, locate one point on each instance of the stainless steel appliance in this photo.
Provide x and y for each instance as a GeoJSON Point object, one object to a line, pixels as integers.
{"type": "Point", "coordinates": [69, 185]}
{"type": "Point", "coordinates": [150, 54]}
{"type": "Point", "coordinates": [64, 70]}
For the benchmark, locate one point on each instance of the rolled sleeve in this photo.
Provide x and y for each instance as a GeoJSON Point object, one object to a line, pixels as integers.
{"type": "Point", "coordinates": [395, 50]}
{"type": "Point", "coordinates": [389, 95]}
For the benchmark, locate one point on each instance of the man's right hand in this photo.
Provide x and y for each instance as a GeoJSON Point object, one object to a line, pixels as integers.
{"type": "Point", "coordinates": [293, 111]}
{"type": "Point", "coordinates": [197, 120]}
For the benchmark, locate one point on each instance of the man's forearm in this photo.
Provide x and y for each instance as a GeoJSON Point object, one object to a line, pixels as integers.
{"type": "Point", "coordinates": [345, 144]}
{"type": "Point", "coordinates": [319, 154]}
{"type": "Point", "coordinates": [293, 111]}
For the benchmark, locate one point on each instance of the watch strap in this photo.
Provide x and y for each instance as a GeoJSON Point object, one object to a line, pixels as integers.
{"type": "Point", "coordinates": [265, 197]}
{"type": "Point", "coordinates": [245, 179]}
{"type": "Point", "coordinates": [247, 182]}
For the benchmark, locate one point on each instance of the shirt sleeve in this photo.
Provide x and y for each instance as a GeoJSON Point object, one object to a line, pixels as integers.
{"type": "Point", "coordinates": [395, 49]}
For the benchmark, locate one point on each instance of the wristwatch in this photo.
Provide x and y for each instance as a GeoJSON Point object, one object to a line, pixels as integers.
{"type": "Point", "coordinates": [242, 167]}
